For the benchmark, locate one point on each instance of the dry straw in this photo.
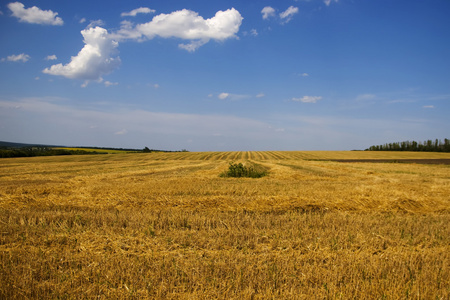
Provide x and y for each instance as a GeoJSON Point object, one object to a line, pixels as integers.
{"type": "Point", "coordinates": [166, 225]}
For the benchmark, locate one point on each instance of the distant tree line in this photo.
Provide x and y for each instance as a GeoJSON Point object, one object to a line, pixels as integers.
{"type": "Point", "coordinates": [39, 151]}
{"type": "Point", "coordinates": [147, 150]}
{"type": "Point", "coordinates": [31, 151]}
{"type": "Point", "coordinates": [426, 146]}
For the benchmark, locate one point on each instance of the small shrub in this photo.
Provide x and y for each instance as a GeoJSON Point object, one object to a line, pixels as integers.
{"type": "Point", "coordinates": [239, 170]}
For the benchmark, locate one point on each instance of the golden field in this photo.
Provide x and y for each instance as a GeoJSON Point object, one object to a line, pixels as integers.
{"type": "Point", "coordinates": [166, 225]}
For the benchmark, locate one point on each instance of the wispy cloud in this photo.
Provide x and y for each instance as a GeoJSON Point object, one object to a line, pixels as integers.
{"type": "Point", "coordinates": [17, 58]}
{"type": "Point", "coordinates": [140, 10]}
{"type": "Point", "coordinates": [307, 99]}
{"type": "Point", "coordinates": [232, 97]}
{"type": "Point", "coordinates": [253, 32]}
{"type": "Point", "coordinates": [284, 17]}
{"type": "Point", "coordinates": [95, 23]}
{"type": "Point", "coordinates": [428, 106]}
{"type": "Point", "coordinates": [208, 132]}
{"type": "Point", "coordinates": [109, 83]}
{"type": "Point", "coordinates": [34, 14]}
{"type": "Point", "coordinates": [288, 14]}
{"type": "Point", "coordinates": [166, 130]}
{"type": "Point", "coordinates": [51, 57]}
{"type": "Point", "coordinates": [328, 2]}
{"type": "Point", "coordinates": [223, 96]}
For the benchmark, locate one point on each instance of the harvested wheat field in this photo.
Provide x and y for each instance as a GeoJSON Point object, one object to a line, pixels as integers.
{"type": "Point", "coordinates": [167, 225]}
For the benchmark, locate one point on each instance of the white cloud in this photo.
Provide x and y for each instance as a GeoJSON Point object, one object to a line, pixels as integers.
{"type": "Point", "coordinates": [328, 2]}
{"type": "Point", "coordinates": [34, 14]}
{"type": "Point", "coordinates": [82, 20]}
{"type": "Point", "coordinates": [192, 46]}
{"type": "Point", "coordinates": [428, 106]}
{"type": "Point", "coordinates": [51, 57]}
{"type": "Point", "coordinates": [287, 15]}
{"type": "Point", "coordinates": [185, 24]}
{"type": "Point", "coordinates": [223, 96]}
{"type": "Point", "coordinates": [252, 32]}
{"type": "Point", "coordinates": [307, 99]}
{"type": "Point", "coordinates": [304, 74]}
{"type": "Point", "coordinates": [93, 61]}
{"type": "Point", "coordinates": [267, 12]}
{"type": "Point", "coordinates": [109, 83]}
{"type": "Point", "coordinates": [140, 10]}
{"type": "Point", "coordinates": [95, 23]}
{"type": "Point", "coordinates": [232, 97]}
{"type": "Point", "coordinates": [260, 95]}
{"type": "Point", "coordinates": [17, 58]}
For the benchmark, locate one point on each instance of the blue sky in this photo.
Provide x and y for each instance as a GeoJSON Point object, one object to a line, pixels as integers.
{"type": "Point", "coordinates": [224, 75]}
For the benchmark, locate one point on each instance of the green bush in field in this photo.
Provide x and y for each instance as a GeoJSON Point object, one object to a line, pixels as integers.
{"type": "Point", "coordinates": [239, 170]}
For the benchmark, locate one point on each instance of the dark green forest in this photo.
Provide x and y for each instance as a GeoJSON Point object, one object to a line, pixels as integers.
{"type": "Point", "coordinates": [40, 151]}
{"type": "Point", "coordinates": [426, 146]}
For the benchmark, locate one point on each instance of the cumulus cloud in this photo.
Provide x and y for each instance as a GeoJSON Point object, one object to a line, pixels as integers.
{"type": "Point", "coordinates": [17, 58]}
{"type": "Point", "coordinates": [140, 10]}
{"type": "Point", "coordinates": [98, 56]}
{"type": "Point", "coordinates": [287, 15]}
{"type": "Point", "coordinates": [51, 57]}
{"type": "Point", "coordinates": [187, 25]}
{"type": "Point", "coordinates": [307, 99]}
{"type": "Point", "coordinates": [95, 59]}
{"type": "Point", "coordinates": [34, 14]}
{"type": "Point", "coordinates": [267, 12]}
